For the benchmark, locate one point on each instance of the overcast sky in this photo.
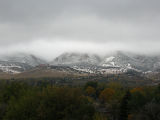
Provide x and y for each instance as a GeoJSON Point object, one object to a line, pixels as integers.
{"type": "Point", "coordinates": [51, 27]}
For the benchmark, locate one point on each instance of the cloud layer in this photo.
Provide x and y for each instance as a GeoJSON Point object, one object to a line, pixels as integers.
{"type": "Point", "coordinates": [49, 27]}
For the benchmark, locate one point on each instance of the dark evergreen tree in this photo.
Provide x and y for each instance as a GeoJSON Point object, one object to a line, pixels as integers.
{"type": "Point", "coordinates": [124, 108]}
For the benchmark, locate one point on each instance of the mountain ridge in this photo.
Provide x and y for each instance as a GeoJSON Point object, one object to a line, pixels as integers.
{"type": "Point", "coordinates": [118, 61]}
{"type": "Point", "coordinates": [112, 63]}
{"type": "Point", "coordinates": [19, 62]}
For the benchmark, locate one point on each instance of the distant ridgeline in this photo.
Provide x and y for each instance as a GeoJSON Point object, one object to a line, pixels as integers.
{"type": "Point", "coordinates": [114, 63]}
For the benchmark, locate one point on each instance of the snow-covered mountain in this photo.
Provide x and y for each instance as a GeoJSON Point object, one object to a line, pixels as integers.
{"type": "Point", "coordinates": [19, 62]}
{"type": "Point", "coordinates": [116, 62]}
{"type": "Point", "coordinates": [77, 59]}
{"type": "Point", "coordinates": [113, 63]}
{"type": "Point", "coordinates": [23, 58]}
{"type": "Point", "coordinates": [13, 67]}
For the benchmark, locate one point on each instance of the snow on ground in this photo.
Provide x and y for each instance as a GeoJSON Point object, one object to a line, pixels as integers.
{"type": "Point", "coordinates": [109, 59]}
{"type": "Point", "coordinates": [9, 68]}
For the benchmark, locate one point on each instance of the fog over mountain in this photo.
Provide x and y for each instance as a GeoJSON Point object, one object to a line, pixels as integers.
{"type": "Point", "coordinates": [48, 28]}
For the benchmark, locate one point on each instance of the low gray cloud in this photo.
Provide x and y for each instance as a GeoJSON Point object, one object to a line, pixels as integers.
{"type": "Point", "coordinates": [122, 24]}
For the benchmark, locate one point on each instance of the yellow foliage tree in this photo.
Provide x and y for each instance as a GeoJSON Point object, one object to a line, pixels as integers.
{"type": "Point", "coordinates": [90, 91]}
{"type": "Point", "coordinates": [107, 94]}
{"type": "Point", "coordinates": [138, 89]}
{"type": "Point", "coordinates": [130, 116]}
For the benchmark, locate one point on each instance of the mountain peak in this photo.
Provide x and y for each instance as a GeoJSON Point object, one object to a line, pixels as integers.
{"type": "Point", "coordinates": [29, 59]}
{"type": "Point", "coordinates": [76, 58]}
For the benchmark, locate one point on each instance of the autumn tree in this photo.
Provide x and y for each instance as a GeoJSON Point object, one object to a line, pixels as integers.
{"type": "Point", "coordinates": [106, 95]}
{"type": "Point", "coordinates": [138, 98]}
{"type": "Point", "coordinates": [90, 91]}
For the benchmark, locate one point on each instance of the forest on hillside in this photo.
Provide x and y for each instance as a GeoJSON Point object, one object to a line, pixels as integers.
{"type": "Point", "coordinates": [91, 101]}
